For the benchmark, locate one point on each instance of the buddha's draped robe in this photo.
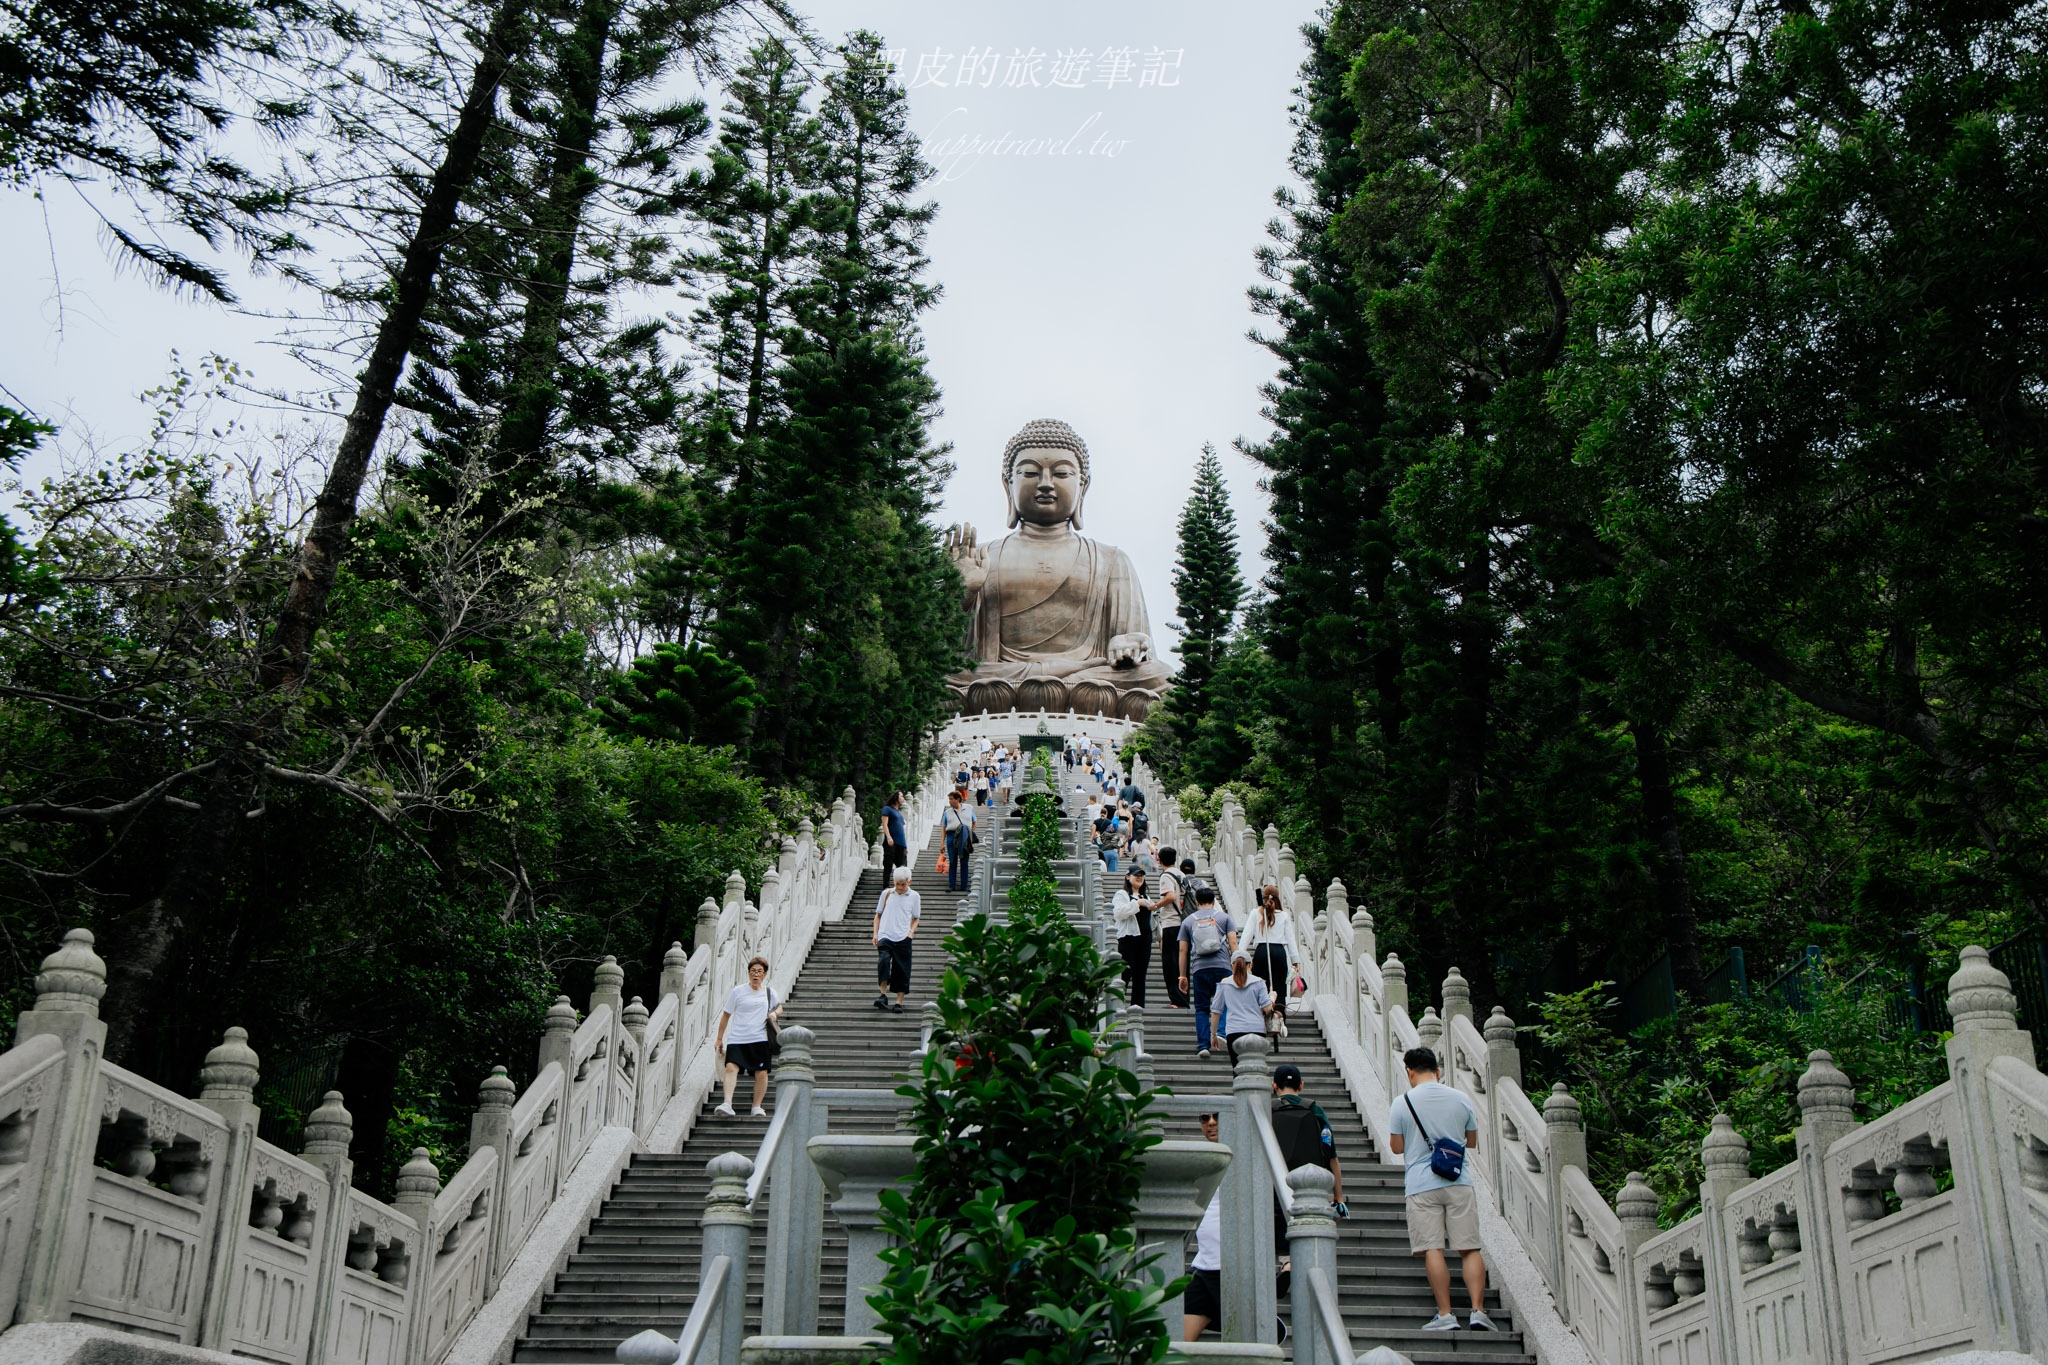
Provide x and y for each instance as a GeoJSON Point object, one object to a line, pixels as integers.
{"type": "Point", "coordinates": [1059, 625]}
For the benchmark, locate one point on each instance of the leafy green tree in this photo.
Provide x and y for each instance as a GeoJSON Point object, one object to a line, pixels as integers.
{"type": "Point", "coordinates": [684, 693]}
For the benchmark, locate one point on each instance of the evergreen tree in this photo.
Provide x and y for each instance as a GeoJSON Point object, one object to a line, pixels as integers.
{"type": "Point", "coordinates": [1208, 588]}
{"type": "Point", "coordinates": [1331, 622]}
{"type": "Point", "coordinates": [872, 234]}
{"type": "Point", "coordinates": [760, 270]}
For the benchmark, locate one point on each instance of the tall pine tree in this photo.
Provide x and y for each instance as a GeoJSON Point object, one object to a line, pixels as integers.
{"type": "Point", "coordinates": [1208, 588]}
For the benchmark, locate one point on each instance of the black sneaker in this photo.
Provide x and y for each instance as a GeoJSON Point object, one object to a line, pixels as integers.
{"type": "Point", "coordinates": [881, 1002]}
{"type": "Point", "coordinates": [896, 1008]}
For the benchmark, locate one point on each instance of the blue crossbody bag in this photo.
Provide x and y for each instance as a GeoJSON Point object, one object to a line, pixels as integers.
{"type": "Point", "coordinates": [1446, 1155]}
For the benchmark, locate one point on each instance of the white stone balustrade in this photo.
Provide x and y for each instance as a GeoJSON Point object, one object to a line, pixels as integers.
{"type": "Point", "coordinates": [1921, 1234]}
{"type": "Point", "coordinates": [125, 1205]}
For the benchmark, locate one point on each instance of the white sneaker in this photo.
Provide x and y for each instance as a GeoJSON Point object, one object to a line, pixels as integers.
{"type": "Point", "coordinates": [1442, 1322]}
{"type": "Point", "coordinates": [758, 1112]}
{"type": "Point", "coordinates": [726, 1110]}
{"type": "Point", "coordinates": [1202, 1053]}
{"type": "Point", "coordinates": [1482, 1323]}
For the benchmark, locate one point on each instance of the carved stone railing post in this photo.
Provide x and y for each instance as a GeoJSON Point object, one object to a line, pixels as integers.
{"type": "Point", "coordinates": [1725, 1155]}
{"type": "Point", "coordinates": [707, 928]}
{"type": "Point", "coordinates": [1311, 1245]}
{"type": "Point", "coordinates": [557, 1045]}
{"type": "Point", "coordinates": [1566, 1129]}
{"type": "Point", "coordinates": [796, 1198]}
{"type": "Point", "coordinates": [729, 1231]}
{"type": "Point", "coordinates": [1827, 1106]}
{"type": "Point", "coordinates": [67, 1008]}
{"type": "Point", "coordinates": [228, 1087]}
{"type": "Point", "coordinates": [608, 985]}
{"type": "Point", "coordinates": [491, 1127]}
{"type": "Point", "coordinates": [1636, 1209]}
{"type": "Point", "coordinates": [1457, 998]}
{"type": "Point", "coordinates": [417, 1185]}
{"type": "Point", "coordinates": [1249, 1302]}
{"type": "Point", "coordinates": [1393, 996]}
{"type": "Point", "coordinates": [1503, 1061]}
{"type": "Point", "coordinates": [1980, 1000]}
{"type": "Point", "coordinates": [1429, 1030]}
{"type": "Point", "coordinates": [330, 1130]}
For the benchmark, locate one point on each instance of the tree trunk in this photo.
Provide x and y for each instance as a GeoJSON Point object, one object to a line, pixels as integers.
{"type": "Point", "coordinates": [334, 511]}
{"type": "Point", "coordinates": [139, 951]}
{"type": "Point", "coordinates": [570, 185]}
{"type": "Point", "coordinates": [369, 1084]}
{"type": "Point", "coordinates": [1468, 746]}
{"type": "Point", "coordinates": [1674, 887]}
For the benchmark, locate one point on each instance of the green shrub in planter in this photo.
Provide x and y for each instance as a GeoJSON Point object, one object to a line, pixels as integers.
{"type": "Point", "coordinates": [1016, 1241]}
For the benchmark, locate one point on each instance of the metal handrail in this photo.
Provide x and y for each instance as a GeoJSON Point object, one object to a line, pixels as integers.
{"type": "Point", "coordinates": [765, 1158]}
{"type": "Point", "coordinates": [1328, 1316]}
{"type": "Point", "coordinates": [710, 1293]}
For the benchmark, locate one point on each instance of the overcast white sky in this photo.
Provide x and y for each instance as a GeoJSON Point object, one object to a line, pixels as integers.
{"type": "Point", "coordinates": [1094, 263]}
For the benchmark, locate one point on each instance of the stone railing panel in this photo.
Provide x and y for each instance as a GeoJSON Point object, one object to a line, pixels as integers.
{"type": "Point", "coordinates": [533, 1167]}
{"type": "Point", "coordinates": [458, 1274]}
{"type": "Point", "coordinates": [589, 1083]}
{"type": "Point", "coordinates": [277, 1262]}
{"type": "Point", "coordinates": [29, 1077]}
{"type": "Point", "coordinates": [368, 1323]}
{"type": "Point", "coordinates": [151, 1211]}
{"type": "Point", "coordinates": [1776, 1313]}
{"type": "Point", "coordinates": [1593, 1249]}
{"type": "Point", "coordinates": [2019, 1096]}
{"type": "Point", "coordinates": [1910, 1274]}
{"type": "Point", "coordinates": [658, 1070]}
{"type": "Point", "coordinates": [1671, 1271]}
{"type": "Point", "coordinates": [1524, 1160]}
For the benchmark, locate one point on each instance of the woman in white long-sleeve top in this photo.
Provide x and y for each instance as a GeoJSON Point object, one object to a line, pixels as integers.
{"type": "Point", "coordinates": [1270, 935]}
{"type": "Point", "coordinates": [1133, 933]}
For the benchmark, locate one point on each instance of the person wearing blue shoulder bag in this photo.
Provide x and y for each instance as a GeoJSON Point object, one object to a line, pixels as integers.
{"type": "Point", "coordinates": [1443, 1206]}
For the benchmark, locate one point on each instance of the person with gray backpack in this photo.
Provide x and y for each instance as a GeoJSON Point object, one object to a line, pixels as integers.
{"type": "Point", "coordinates": [1425, 1130]}
{"type": "Point", "coordinates": [1208, 937]}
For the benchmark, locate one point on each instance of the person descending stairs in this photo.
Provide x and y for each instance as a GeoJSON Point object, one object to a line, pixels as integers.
{"type": "Point", "coordinates": [638, 1265]}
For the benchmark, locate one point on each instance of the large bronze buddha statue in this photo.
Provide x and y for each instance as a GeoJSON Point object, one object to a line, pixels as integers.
{"type": "Point", "coordinates": [1058, 619]}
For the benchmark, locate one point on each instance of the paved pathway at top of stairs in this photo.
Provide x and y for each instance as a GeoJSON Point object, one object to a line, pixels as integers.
{"type": "Point", "coordinates": [638, 1265]}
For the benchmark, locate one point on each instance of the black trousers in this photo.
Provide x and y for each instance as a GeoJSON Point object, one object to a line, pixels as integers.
{"type": "Point", "coordinates": [1169, 967]}
{"type": "Point", "coordinates": [1136, 951]}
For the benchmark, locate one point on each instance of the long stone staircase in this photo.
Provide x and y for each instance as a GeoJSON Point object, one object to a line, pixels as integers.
{"type": "Point", "coordinates": [638, 1266]}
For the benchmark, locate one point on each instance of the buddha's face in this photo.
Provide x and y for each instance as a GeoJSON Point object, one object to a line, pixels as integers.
{"type": "Point", "coordinates": [1045, 486]}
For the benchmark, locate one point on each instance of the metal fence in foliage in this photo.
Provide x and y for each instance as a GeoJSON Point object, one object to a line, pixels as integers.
{"type": "Point", "coordinates": [1914, 999]}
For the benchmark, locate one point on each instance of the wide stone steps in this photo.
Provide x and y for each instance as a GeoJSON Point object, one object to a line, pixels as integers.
{"type": "Point", "coordinates": [1382, 1292]}
{"type": "Point", "coordinates": [638, 1265]}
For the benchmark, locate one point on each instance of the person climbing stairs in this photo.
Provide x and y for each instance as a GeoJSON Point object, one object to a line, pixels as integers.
{"type": "Point", "coordinates": [638, 1265]}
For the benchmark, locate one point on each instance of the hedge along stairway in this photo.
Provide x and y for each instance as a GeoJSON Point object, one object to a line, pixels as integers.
{"type": "Point", "coordinates": [638, 1266]}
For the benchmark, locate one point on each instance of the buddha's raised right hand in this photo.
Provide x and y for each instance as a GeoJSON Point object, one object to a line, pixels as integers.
{"type": "Point", "coordinates": [970, 559]}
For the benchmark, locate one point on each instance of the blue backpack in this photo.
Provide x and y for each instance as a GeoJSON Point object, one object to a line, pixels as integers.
{"type": "Point", "coordinates": [1446, 1155]}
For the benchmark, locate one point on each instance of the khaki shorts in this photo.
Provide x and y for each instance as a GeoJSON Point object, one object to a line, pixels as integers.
{"type": "Point", "coordinates": [1445, 1219]}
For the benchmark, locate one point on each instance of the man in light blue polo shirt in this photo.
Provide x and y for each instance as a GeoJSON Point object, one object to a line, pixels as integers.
{"type": "Point", "coordinates": [1442, 1213]}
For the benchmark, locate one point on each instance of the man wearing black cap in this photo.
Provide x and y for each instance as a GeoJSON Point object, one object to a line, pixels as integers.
{"type": "Point", "coordinates": [1305, 1140]}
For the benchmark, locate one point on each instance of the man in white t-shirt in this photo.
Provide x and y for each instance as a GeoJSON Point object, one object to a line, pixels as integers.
{"type": "Point", "coordinates": [895, 926]}
{"type": "Point", "coordinates": [1443, 1211]}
